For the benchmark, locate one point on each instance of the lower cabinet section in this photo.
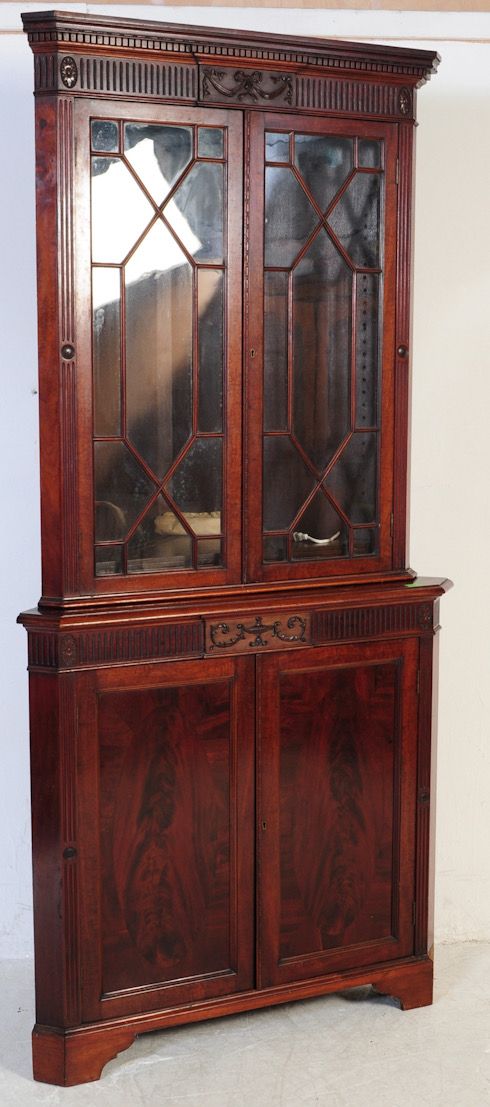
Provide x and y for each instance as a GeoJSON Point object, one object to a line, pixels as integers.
{"type": "Point", "coordinates": [220, 834]}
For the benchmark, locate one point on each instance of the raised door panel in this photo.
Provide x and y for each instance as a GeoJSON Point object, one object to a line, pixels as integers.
{"type": "Point", "coordinates": [337, 756]}
{"type": "Point", "coordinates": [158, 238]}
{"type": "Point", "coordinates": [320, 371]}
{"type": "Point", "coordinates": [166, 806]}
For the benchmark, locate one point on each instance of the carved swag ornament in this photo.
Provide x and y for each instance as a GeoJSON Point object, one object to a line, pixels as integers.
{"type": "Point", "coordinates": [248, 84]}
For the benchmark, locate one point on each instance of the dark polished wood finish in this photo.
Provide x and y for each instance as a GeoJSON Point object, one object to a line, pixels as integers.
{"type": "Point", "coordinates": [337, 867]}
{"type": "Point", "coordinates": [232, 754]}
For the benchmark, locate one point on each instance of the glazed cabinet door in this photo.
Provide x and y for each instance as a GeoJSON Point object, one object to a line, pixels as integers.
{"type": "Point", "coordinates": [321, 347]}
{"type": "Point", "coordinates": [336, 819]}
{"type": "Point", "coordinates": [165, 808]}
{"type": "Point", "coordinates": [157, 248]}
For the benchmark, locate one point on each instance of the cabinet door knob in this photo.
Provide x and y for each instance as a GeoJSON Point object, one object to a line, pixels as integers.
{"type": "Point", "coordinates": [402, 351]}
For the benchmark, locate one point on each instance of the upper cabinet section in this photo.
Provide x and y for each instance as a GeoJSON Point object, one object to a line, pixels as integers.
{"type": "Point", "coordinates": [223, 267]}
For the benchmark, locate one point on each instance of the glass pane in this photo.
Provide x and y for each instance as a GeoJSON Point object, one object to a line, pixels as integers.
{"type": "Point", "coordinates": [160, 542]}
{"type": "Point", "coordinates": [108, 561]}
{"type": "Point", "coordinates": [196, 211]}
{"type": "Point", "coordinates": [275, 351]}
{"type": "Point", "coordinates": [320, 521]}
{"type": "Point", "coordinates": [106, 293]}
{"type": "Point", "coordinates": [159, 154]}
{"type": "Point", "coordinates": [209, 552]}
{"type": "Point", "coordinates": [289, 217]}
{"type": "Point", "coordinates": [322, 289]}
{"type": "Point", "coordinates": [275, 548]}
{"type": "Point", "coordinates": [159, 349]}
{"type": "Point", "coordinates": [352, 480]}
{"type": "Point", "coordinates": [210, 307]}
{"type": "Point", "coordinates": [324, 162]}
{"type": "Point", "coordinates": [365, 542]}
{"type": "Point", "coordinates": [287, 482]}
{"type": "Point", "coordinates": [105, 135]}
{"type": "Point", "coordinates": [121, 490]}
{"type": "Point", "coordinates": [355, 219]}
{"type": "Point", "coordinates": [196, 485]}
{"type": "Point", "coordinates": [367, 355]}
{"type": "Point", "coordinates": [120, 210]}
{"type": "Point", "coordinates": [276, 147]}
{"type": "Point", "coordinates": [210, 142]}
{"type": "Point", "coordinates": [369, 153]}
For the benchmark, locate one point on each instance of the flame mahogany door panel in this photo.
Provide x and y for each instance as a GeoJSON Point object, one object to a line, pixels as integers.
{"type": "Point", "coordinates": [337, 759]}
{"type": "Point", "coordinates": [166, 828]}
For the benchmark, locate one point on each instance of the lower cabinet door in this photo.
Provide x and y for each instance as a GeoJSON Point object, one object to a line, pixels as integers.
{"type": "Point", "coordinates": [336, 808]}
{"type": "Point", "coordinates": [166, 834]}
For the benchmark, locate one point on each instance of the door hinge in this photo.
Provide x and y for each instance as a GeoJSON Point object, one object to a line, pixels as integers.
{"type": "Point", "coordinates": [392, 524]}
{"type": "Point", "coordinates": [414, 913]}
{"type": "Point", "coordinates": [418, 682]}
{"type": "Point", "coordinates": [397, 171]}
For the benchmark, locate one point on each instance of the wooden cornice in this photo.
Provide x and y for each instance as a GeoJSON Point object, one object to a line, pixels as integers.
{"type": "Point", "coordinates": [94, 34]}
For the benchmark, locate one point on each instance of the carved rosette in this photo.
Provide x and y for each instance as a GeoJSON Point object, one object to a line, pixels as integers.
{"type": "Point", "coordinates": [405, 101]}
{"type": "Point", "coordinates": [69, 72]}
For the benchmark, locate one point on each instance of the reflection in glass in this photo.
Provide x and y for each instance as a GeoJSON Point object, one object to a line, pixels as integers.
{"type": "Point", "coordinates": [287, 482]}
{"type": "Point", "coordinates": [108, 560]}
{"type": "Point", "coordinates": [370, 153]}
{"type": "Point", "coordinates": [159, 154]}
{"type": "Point", "coordinates": [325, 162]}
{"type": "Point", "coordinates": [355, 219]}
{"type": "Point", "coordinates": [365, 542]}
{"type": "Point", "coordinates": [210, 142]}
{"type": "Point", "coordinates": [106, 293]}
{"type": "Point", "coordinates": [352, 480]}
{"type": "Point", "coordinates": [320, 521]}
{"type": "Point", "coordinates": [210, 338]}
{"type": "Point", "coordinates": [120, 210]}
{"type": "Point", "coordinates": [196, 211]}
{"type": "Point", "coordinates": [275, 548]}
{"type": "Point", "coordinates": [159, 349]}
{"type": "Point", "coordinates": [159, 542]}
{"type": "Point", "coordinates": [275, 351]}
{"type": "Point", "coordinates": [367, 356]}
{"type": "Point", "coordinates": [121, 490]}
{"type": "Point", "coordinates": [322, 288]}
{"type": "Point", "coordinates": [289, 217]}
{"type": "Point", "coordinates": [276, 147]}
{"type": "Point", "coordinates": [209, 552]}
{"type": "Point", "coordinates": [105, 135]}
{"type": "Point", "coordinates": [196, 486]}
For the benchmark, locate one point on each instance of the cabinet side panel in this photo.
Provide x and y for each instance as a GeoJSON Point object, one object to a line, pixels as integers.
{"type": "Point", "coordinates": [401, 471]}
{"type": "Point", "coordinates": [47, 185]}
{"type": "Point", "coordinates": [46, 848]}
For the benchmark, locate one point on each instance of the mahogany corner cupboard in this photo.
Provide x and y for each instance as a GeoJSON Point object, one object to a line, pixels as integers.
{"type": "Point", "coordinates": [231, 666]}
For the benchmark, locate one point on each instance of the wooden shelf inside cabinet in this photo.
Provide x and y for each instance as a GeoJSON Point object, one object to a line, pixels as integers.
{"type": "Point", "coordinates": [224, 238]}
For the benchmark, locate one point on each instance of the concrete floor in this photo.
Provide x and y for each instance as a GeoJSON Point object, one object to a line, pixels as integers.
{"type": "Point", "coordinates": [337, 1051]}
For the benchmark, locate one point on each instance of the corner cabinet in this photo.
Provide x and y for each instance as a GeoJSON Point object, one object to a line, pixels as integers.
{"type": "Point", "coordinates": [231, 666]}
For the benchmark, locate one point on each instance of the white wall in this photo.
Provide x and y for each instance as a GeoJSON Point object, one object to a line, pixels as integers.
{"type": "Point", "coordinates": [451, 440]}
